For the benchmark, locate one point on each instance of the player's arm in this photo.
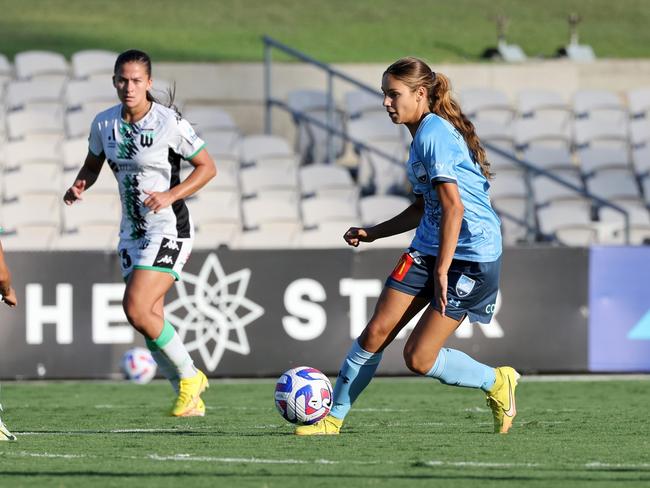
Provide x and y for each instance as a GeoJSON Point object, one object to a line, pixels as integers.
{"type": "Point", "coordinates": [6, 290]}
{"type": "Point", "coordinates": [204, 170]}
{"type": "Point", "coordinates": [407, 220]}
{"type": "Point", "coordinates": [450, 223]}
{"type": "Point", "coordinates": [85, 178]}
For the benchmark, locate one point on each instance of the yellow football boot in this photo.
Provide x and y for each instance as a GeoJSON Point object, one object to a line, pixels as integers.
{"type": "Point", "coordinates": [188, 403]}
{"type": "Point", "coordinates": [501, 399]}
{"type": "Point", "coordinates": [328, 426]}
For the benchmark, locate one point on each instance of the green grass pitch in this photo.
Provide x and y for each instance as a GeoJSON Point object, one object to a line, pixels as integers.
{"type": "Point", "coordinates": [402, 432]}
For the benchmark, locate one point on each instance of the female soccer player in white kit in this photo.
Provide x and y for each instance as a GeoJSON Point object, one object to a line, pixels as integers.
{"type": "Point", "coordinates": [143, 143]}
{"type": "Point", "coordinates": [453, 264]}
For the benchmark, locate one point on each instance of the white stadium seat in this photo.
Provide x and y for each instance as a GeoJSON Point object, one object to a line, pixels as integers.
{"type": "Point", "coordinates": [318, 210]}
{"type": "Point", "coordinates": [257, 146]}
{"type": "Point", "coordinates": [376, 209]}
{"type": "Point", "coordinates": [93, 62]}
{"type": "Point", "coordinates": [31, 64]}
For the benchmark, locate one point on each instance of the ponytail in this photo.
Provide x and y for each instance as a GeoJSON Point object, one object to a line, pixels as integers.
{"type": "Point", "coordinates": [414, 73]}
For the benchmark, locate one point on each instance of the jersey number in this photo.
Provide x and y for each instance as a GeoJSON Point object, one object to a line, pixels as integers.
{"type": "Point", "coordinates": [126, 259]}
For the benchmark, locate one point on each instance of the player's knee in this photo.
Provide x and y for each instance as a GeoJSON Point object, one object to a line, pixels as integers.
{"type": "Point", "coordinates": [134, 313]}
{"type": "Point", "coordinates": [418, 363]}
{"type": "Point", "coordinates": [374, 335]}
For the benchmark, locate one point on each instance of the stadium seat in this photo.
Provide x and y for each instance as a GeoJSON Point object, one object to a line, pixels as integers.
{"type": "Point", "coordinates": [281, 164]}
{"type": "Point", "coordinates": [638, 101]}
{"type": "Point", "coordinates": [255, 146]}
{"type": "Point", "coordinates": [546, 190]}
{"type": "Point", "coordinates": [21, 123]}
{"type": "Point", "coordinates": [92, 236]}
{"type": "Point", "coordinates": [312, 140]}
{"type": "Point", "coordinates": [601, 133]}
{"type": "Point", "coordinates": [549, 157]}
{"type": "Point", "coordinates": [513, 212]}
{"type": "Point", "coordinates": [209, 118]}
{"type": "Point", "coordinates": [32, 149]}
{"type": "Point", "coordinates": [591, 159]}
{"type": "Point", "coordinates": [303, 99]}
{"type": "Point", "coordinates": [379, 208]}
{"type": "Point", "coordinates": [326, 235]}
{"type": "Point", "coordinates": [509, 183]}
{"type": "Point", "coordinates": [569, 221]}
{"type": "Point", "coordinates": [33, 177]}
{"type": "Point", "coordinates": [267, 210]}
{"type": "Point", "coordinates": [32, 64]}
{"type": "Point", "coordinates": [640, 132]}
{"type": "Point", "coordinates": [611, 183]}
{"type": "Point", "coordinates": [221, 142]}
{"type": "Point", "coordinates": [496, 133]}
{"type": "Point", "coordinates": [501, 158]}
{"type": "Point", "coordinates": [77, 123]}
{"type": "Point", "coordinates": [79, 93]}
{"type": "Point", "coordinates": [641, 160]}
{"type": "Point", "coordinates": [361, 102]}
{"type": "Point", "coordinates": [275, 235]}
{"type": "Point", "coordinates": [215, 224]}
{"type": "Point", "coordinates": [376, 127]}
{"type": "Point", "coordinates": [326, 180]}
{"type": "Point", "coordinates": [542, 133]}
{"type": "Point", "coordinates": [93, 62]}
{"type": "Point", "coordinates": [317, 210]}
{"type": "Point", "coordinates": [94, 208]}
{"type": "Point", "coordinates": [21, 94]}
{"type": "Point", "coordinates": [544, 105]}
{"type": "Point", "coordinates": [73, 153]}
{"type": "Point", "coordinates": [382, 167]}
{"type": "Point", "coordinates": [487, 104]}
{"type": "Point", "coordinates": [31, 237]}
{"type": "Point", "coordinates": [227, 175]}
{"type": "Point", "coordinates": [259, 180]}
{"type": "Point", "coordinates": [603, 105]}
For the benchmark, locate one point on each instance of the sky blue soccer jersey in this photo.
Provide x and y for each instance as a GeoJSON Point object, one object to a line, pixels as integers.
{"type": "Point", "coordinates": [439, 154]}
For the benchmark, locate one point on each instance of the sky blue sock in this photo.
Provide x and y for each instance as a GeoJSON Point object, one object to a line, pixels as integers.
{"type": "Point", "coordinates": [357, 370]}
{"type": "Point", "coordinates": [456, 368]}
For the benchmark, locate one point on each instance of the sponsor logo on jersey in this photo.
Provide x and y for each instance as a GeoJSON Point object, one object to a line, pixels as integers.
{"type": "Point", "coordinates": [464, 286]}
{"type": "Point", "coordinates": [420, 171]}
{"type": "Point", "coordinates": [146, 138]}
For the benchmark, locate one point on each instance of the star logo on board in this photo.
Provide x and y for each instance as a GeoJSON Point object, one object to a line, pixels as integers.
{"type": "Point", "coordinates": [212, 311]}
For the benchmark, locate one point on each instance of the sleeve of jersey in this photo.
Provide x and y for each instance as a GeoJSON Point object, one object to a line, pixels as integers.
{"type": "Point", "coordinates": [440, 153]}
{"type": "Point", "coordinates": [95, 145]}
{"type": "Point", "coordinates": [187, 143]}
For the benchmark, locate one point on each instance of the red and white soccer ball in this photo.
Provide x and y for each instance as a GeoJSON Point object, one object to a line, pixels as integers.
{"type": "Point", "coordinates": [138, 365]}
{"type": "Point", "coordinates": [303, 395]}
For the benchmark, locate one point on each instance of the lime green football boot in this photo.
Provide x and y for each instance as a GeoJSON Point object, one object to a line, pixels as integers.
{"type": "Point", "coordinates": [328, 426]}
{"type": "Point", "coordinates": [501, 399]}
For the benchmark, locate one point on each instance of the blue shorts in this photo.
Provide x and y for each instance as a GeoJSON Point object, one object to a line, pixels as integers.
{"type": "Point", "coordinates": [471, 288]}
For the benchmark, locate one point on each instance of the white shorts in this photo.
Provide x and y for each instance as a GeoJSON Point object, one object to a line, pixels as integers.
{"type": "Point", "coordinates": [157, 253]}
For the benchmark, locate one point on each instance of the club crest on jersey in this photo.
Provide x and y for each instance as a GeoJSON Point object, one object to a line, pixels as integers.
{"type": "Point", "coordinates": [146, 138]}
{"type": "Point", "coordinates": [420, 171]}
{"type": "Point", "coordinates": [464, 286]}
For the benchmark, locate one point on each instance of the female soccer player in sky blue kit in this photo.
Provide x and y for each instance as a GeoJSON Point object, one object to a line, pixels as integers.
{"type": "Point", "coordinates": [452, 266]}
{"type": "Point", "coordinates": [144, 142]}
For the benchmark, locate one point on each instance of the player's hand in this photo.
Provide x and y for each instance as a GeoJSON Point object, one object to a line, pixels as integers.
{"type": "Point", "coordinates": [74, 192]}
{"type": "Point", "coordinates": [158, 200]}
{"type": "Point", "coordinates": [440, 291]}
{"type": "Point", "coordinates": [10, 298]}
{"type": "Point", "coordinates": [355, 235]}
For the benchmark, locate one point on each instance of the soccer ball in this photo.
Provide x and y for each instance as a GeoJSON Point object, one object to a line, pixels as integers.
{"type": "Point", "coordinates": [138, 365]}
{"type": "Point", "coordinates": [303, 395]}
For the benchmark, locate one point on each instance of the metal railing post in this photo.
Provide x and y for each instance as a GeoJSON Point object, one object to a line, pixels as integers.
{"type": "Point", "coordinates": [268, 128]}
{"type": "Point", "coordinates": [330, 117]}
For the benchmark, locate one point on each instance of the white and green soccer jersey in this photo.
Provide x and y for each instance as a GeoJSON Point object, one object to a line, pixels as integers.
{"type": "Point", "coordinates": [146, 156]}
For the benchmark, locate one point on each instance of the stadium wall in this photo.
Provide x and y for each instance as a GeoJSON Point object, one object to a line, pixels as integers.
{"type": "Point", "coordinates": [239, 87]}
{"type": "Point", "coordinates": [257, 313]}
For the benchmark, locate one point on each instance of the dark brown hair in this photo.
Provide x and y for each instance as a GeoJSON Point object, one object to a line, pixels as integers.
{"type": "Point", "coordinates": [414, 73]}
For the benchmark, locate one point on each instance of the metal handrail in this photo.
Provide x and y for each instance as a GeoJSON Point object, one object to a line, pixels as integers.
{"type": "Point", "coordinates": [270, 102]}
